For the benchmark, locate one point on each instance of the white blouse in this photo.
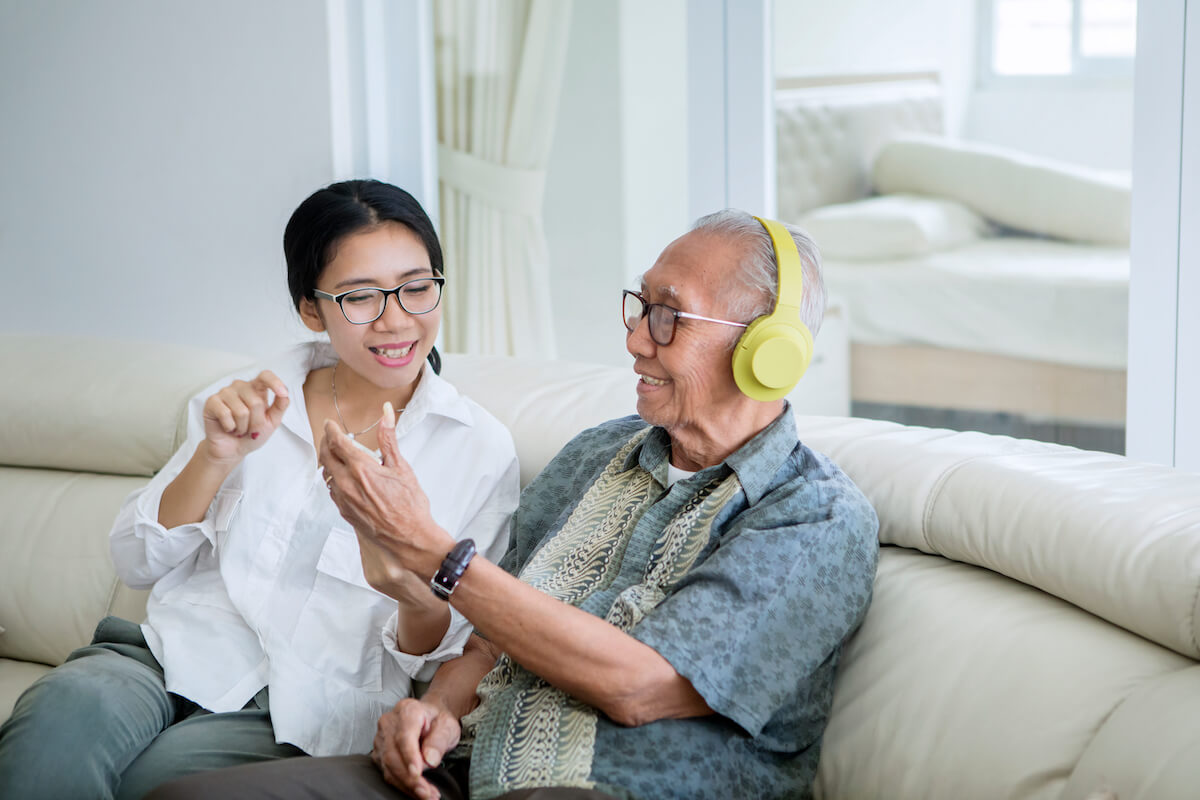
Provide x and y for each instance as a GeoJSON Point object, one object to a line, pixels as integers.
{"type": "Point", "coordinates": [268, 589]}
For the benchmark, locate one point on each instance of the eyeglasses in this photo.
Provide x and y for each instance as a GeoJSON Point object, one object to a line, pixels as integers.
{"type": "Point", "coordinates": [360, 306]}
{"type": "Point", "coordinates": [662, 318]}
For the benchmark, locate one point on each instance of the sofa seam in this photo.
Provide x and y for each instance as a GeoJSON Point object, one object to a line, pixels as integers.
{"type": "Point", "coordinates": [1192, 621]}
{"type": "Point", "coordinates": [112, 596]}
{"type": "Point", "coordinates": [935, 493]}
{"type": "Point", "coordinates": [1103, 721]}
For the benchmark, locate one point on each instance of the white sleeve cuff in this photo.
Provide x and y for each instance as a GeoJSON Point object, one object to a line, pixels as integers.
{"type": "Point", "coordinates": [422, 667]}
{"type": "Point", "coordinates": [165, 549]}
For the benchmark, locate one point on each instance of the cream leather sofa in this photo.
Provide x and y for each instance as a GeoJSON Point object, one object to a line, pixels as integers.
{"type": "Point", "coordinates": [1034, 632]}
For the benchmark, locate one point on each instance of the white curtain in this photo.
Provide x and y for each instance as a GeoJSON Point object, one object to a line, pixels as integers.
{"type": "Point", "coordinates": [499, 72]}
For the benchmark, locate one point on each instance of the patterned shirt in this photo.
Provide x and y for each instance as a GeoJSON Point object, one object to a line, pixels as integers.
{"type": "Point", "coordinates": [747, 577]}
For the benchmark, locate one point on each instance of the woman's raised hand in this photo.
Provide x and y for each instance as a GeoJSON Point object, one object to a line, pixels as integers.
{"type": "Point", "coordinates": [241, 417]}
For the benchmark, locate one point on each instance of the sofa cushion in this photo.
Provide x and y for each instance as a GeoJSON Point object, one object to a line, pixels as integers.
{"type": "Point", "coordinates": [1149, 746]}
{"type": "Point", "coordinates": [962, 683]}
{"type": "Point", "coordinates": [119, 410]}
{"type": "Point", "coordinates": [15, 677]}
{"type": "Point", "coordinates": [56, 578]}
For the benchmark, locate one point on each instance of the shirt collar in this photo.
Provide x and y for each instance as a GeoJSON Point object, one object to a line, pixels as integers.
{"type": "Point", "coordinates": [434, 395]}
{"type": "Point", "coordinates": [756, 462]}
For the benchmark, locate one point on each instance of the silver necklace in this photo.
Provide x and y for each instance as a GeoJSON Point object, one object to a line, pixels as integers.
{"type": "Point", "coordinates": [333, 385]}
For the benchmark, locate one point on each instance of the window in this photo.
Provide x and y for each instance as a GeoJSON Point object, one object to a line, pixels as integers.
{"type": "Point", "coordinates": [1063, 38]}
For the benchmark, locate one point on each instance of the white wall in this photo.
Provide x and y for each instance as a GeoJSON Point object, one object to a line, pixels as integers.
{"type": "Point", "coordinates": [616, 183]}
{"type": "Point", "coordinates": [583, 214]}
{"type": "Point", "coordinates": [654, 134]}
{"type": "Point", "coordinates": [152, 153]}
{"type": "Point", "coordinates": [1083, 125]}
{"type": "Point", "coordinates": [816, 37]}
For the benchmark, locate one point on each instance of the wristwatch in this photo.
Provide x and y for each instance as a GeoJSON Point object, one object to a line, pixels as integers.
{"type": "Point", "coordinates": [446, 579]}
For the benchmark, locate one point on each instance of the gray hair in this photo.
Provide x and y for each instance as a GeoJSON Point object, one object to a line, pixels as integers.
{"type": "Point", "coordinates": [759, 273]}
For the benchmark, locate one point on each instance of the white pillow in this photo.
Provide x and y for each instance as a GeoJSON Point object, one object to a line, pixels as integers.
{"type": "Point", "coordinates": [1038, 195]}
{"type": "Point", "coordinates": [892, 226]}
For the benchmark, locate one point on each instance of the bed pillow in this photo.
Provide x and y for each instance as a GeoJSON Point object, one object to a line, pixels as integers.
{"type": "Point", "coordinates": [1037, 195]}
{"type": "Point", "coordinates": [892, 226]}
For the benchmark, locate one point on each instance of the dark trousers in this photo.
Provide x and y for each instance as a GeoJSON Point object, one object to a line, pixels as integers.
{"type": "Point", "coordinates": [339, 778]}
{"type": "Point", "coordinates": [103, 725]}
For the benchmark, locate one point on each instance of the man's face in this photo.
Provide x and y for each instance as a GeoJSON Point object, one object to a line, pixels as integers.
{"type": "Point", "coordinates": [688, 383]}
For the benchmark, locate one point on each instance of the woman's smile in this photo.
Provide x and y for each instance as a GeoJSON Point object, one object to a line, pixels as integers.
{"type": "Point", "coordinates": [394, 355]}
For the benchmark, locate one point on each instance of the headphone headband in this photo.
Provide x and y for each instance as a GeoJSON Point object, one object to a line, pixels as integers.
{"type": "Point", "coordinates": [788, 266]}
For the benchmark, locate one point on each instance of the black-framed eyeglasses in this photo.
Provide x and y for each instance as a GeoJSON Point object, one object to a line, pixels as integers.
{"type": "Point", "coordinates": [662, 317]}
{"type": "Point", "coordinates": [360, 306]}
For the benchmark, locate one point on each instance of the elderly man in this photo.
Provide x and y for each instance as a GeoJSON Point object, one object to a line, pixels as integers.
{"type": "Point", "coordinates": [668, 618]}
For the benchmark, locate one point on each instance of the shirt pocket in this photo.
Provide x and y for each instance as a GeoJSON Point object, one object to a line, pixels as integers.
{"type": "Point", "coordinates": [339, 631]}
{"type": "Point", "coordinates": [224, 511]}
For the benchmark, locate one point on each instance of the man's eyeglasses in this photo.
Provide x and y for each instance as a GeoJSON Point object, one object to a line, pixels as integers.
{"type": "Point", "coordinates": [662, 318]}
{"type": "Point", "coordinates": [360, 306]}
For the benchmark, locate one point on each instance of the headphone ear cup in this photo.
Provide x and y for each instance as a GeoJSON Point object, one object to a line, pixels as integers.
{"type": "Point", "coordinates": [771, 357]}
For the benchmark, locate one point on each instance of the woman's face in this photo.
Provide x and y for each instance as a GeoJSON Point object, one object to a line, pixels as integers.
{"type": "Point", "coordinates": [388, 352]}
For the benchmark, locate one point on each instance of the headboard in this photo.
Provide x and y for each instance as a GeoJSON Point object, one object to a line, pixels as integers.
{"type": "Point", "coordinates": [828, 130]}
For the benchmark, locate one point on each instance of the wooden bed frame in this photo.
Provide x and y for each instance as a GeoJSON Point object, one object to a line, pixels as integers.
{"type": "Point", "coordinates": [933, 377]}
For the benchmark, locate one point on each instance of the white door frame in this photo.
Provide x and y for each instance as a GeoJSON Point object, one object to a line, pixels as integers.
{"type": "Point", "coordinates": [1163, 400]}
{"type": "Point", "coordinates": [731, 119]}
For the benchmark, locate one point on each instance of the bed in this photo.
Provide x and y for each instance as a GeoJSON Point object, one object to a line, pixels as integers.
{"type": "Point", "coordinates": [980, 283]}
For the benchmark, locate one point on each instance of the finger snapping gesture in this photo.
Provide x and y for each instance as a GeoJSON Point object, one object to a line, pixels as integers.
{"type": "Point", "coordinates": [240, 418]}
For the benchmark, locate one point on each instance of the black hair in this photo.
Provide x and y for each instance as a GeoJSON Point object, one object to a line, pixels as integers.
{"type": "Point", "coordinates": [331, 214]}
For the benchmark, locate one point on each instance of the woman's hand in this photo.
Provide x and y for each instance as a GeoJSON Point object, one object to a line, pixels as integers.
{"type": "Point", "coordinates": [384, 504]}
{"type": "Point", "coordinates": [238, 419]}
{"type": "Point", "coordinates": [411, 738]}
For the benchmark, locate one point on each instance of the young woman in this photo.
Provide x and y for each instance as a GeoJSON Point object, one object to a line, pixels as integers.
{"type": "Point", "coordinates": [263, 638]}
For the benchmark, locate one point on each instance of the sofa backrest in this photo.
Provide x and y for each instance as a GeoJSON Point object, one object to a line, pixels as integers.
{"type": "Point", "coordinates": [1109, 535]}
{"type": "Point", "coordinates": [543, 403]}
{"type": "Point", "coordinates": [84, 423]}
{"type": "Point", "coordinates": [1113, 536]}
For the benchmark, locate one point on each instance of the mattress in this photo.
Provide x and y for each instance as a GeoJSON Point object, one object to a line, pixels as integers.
{"type": "Point", "coordinates": [1038, 299]}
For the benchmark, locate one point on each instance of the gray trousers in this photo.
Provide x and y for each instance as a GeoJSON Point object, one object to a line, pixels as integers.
{"type": "Point", "coordinates": [103, 725]}
{"type": "Point", "coordinates": [336, 778]}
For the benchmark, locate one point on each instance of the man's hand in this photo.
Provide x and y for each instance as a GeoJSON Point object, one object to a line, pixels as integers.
{"type": "Point", "coordinates": [383, 502]}
{"type": "Point", "coordinates": [411, 738]}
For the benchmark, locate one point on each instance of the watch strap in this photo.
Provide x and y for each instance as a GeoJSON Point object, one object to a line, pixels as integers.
{"type": "Point", "coordinates": [445, 580]}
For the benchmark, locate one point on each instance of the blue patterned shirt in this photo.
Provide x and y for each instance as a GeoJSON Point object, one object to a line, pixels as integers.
{"type": "Point", "coordinates": [747, 577]}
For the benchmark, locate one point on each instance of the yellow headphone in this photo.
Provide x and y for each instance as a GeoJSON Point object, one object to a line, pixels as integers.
{"type": "Point", "coordinates": [775, 350]}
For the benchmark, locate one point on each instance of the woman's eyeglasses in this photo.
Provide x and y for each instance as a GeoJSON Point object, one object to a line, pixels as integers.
{"type": "Point", "coordinates": [662, 318]}
{"type": "Point", "coordinates": [360, 306]}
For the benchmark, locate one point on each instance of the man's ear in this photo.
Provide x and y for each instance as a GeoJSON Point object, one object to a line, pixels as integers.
{"type": "Point", "coordinates": [310, 315]}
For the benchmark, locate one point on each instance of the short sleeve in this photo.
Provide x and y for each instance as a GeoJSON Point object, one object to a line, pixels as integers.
{"type": "Point", "coordinates": [752, 624]}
